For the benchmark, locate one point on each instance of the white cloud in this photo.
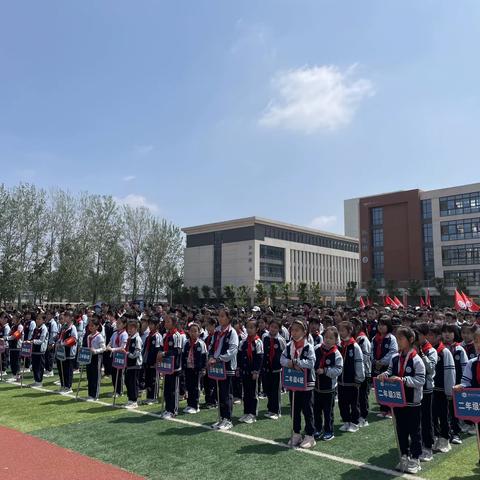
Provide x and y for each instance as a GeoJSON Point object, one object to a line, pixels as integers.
{"type": "Point", "coordinates": [129, 178]}
{"type": "Point", "coordinates": [320, 98]}
{"type": "Point", "coordinates": [142, 149]}
{"type": "Point", "coordinates": [324, 221]}
{"type": "Point", "coordinates": [138, 201]}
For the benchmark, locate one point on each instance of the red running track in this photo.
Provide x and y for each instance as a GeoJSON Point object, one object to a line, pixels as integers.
{"type": "Point", "coordinates": [29, 458]}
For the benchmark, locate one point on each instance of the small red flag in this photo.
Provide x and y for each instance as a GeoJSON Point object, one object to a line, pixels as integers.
{"type": "Point", "coordinates": [362, 303]}
{"type": "Point", "coordinates": [459, 301]}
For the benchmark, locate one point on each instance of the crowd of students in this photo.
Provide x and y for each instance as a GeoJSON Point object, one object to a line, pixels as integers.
{"type": "Point", "coordinates": [432, 351]}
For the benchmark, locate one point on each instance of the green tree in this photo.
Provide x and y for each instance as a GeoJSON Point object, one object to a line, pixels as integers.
{"type": "Point", "coordinates": [414, 288]}
{"type": "Point", "coordinates": [194, 296]}
{"type": "Point", "coordinates": [315, 293]}
{"type": "Point", "coordinates": [302, 292]}
{"type": "Point", "coordinates": [230, 295]}
{"type": "Point", "coordinates": [260, 293]}
{"type": "Point", "coordinates": [462, 286]}
{"type": "Point", "coordinates": [243, 296]}
{"type": "Point", "coordinates": [206, 293]}
{"type": "Point", "coordinates": [285, 291]}
{"type": "Point", "coordinates": [391, 287]}
{"type": "Point", "coordinates": [273, 293]}
{"type": "Point", "coordinates": [372, 290]}
{"type": "Point", "coordinates": [442, 290]}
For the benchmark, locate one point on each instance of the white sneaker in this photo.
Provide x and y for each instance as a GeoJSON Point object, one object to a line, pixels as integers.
{"type": "Point", "coordinates": [344, 427]}
{"type": "Point", "coordinates": [66, 391]}
{"type": "Point", "coordinates": [472, 430]}
{"type": "Point", "coordinates": [225, 425]}
{"type": "Point", "coordinates": [57, 382]}
{"type": "Point", "coordinates": [243, 418]}
{"type": "Point", "coordinates": [443, 445]}
{"type": "Point", "coordinates": [36, 384]}
{"type": "Point", "coordinates": [295, 440]}
{"type": "Point", "coordinates": [426, 456]}
{"type": "Point", "coordinates": [308, 442]}
{"type": "Point", "coordinates": [413, 466]}
{"type": "Point", "coordinates": [90, 399]}
{"type": "Point", "coordinates": [215, 425]}
{"type": "Point", "coordinates": [148, 401]}
{"type": "Point", "coordinates": [435, 444]}
{"type": "Point", "coordinates": [362, 422]}
{"type": "Point", "coordinates": [274, 416]}
{"type": "Point", "coordinates": [268, 414]}
{"type": "Point", "coordinates": [402, 466]}
{"type": "Point", "coordinates": [456, 440]}
{"type": "Point", "coordinates": [131, 405]}
{"type": "Point", "coordinates": [250, 419]}
{"type": "Point", "coordinates": [352, 428]}
{"type": "Point", "coordinates": [48, 374]}
{"type": "Point", "coordinates": [167, 415]}
{"type": "Point", "coordinates": [76, 372]}
{"type": "Point", "coordinates": [237, 401]}
{"type": "Point", "coordinates": [190, 410]}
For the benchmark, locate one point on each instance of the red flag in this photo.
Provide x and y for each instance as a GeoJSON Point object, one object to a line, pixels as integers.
{"type": "Point", "coordinates": [459, 301]}
{"type": "Point", "coordinates": [422, 302]}
{"type": "Point", "coordinates": [428, 300]}
{"type": "Point", "coordinates": [388, 302]}
{"type": "Point", "coordinates": [362, 303]}
{"type": "Point", "coordinates": [397, 302]}
{"type": "Point", "coordinates": [470, 305]}
{"type": "Point", "coordinates": [369, 302]}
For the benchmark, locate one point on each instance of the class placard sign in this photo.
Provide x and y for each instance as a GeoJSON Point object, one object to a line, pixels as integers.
{"type": "Point", "coordinates": [84, 356]}
{"type": "Point", "coordinates": [390, 393]}
{"type": "Point", "coordinates": [466, 403]}
{"type": "Point", "coordinates": [60, 353]}
{"type": "Point", "coordinates": [293, 379]}
{"type": "Point", "coordinates": [166, 366]}
{"type": "Point", "coordinates": [2, 345]}
{"type": "Point", "coordinates": [119, 360]}
{"type": "Point", "coordinates": [26, 351]}
{"type": "Point", "coordinates": [216, 371]}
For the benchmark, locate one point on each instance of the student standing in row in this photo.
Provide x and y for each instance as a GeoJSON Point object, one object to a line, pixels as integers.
{"type": "Point", "coordinates": [39, 347]}
{"type": "Point", "coordinates": [133, 349]}
{"type": "Point", "coordinates": [117, 343]}
{"type": "Point", "coordinates": [96, 344]}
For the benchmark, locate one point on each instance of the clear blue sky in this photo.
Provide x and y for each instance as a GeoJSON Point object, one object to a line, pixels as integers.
{"type": "Point", "coordinates": [211, 110]}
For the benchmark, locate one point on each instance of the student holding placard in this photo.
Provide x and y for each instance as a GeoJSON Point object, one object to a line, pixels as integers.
{"type": "Point", "coordinates": [224, 348]}
{"type": "Point", "coordinates": [300, 355]}
{"type": "Point", "coordinates": [134, 363]}
{"type": "Point", "coordinates": [117, 343]}
{"type": "Point", "coordinates": [39, 347]}
{"type": "Point", "coordinates": [68, 339]}
{"type": "Point", "coordinates": [408, 367]}
{"type": "Point", "coordinates": [14, 347]}
{"type": "Point", "coordinates": [96, 344]}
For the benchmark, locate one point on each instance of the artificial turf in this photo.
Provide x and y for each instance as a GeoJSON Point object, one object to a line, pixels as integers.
{"type": "Point", "coordinates": [160, 449]}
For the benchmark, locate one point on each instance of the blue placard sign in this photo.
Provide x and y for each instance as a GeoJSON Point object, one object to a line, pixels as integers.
{"type": "Point", "coordinates": [466, 403]}
{"type": "Point", "coordinates": [390, 393]}
{"type": "Point", "coordinates": [166, 366]}
{"type": "Point", "coordinates": [119, 360]}
{"type": "Point", "coordinates": [217, 371]}
{"type": "Point", "coordinates": [84, 356]}
{"type": "Point", "coordinates": [60, 354]}
{"type": "Point", "coordinates": [293, 379]}
{"type": "Point", "coordinates": [26, 351]}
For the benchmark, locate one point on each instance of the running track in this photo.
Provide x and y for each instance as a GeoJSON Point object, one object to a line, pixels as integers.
{"type": "Point", "coordinates": [46, 460]}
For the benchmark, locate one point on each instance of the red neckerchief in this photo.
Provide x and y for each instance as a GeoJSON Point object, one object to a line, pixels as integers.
{"type": "Point", "coordinates": [168, 335]}
{"type": "Point", "coordinates": [36, 332]}
{"type": "Point", "coordinates": [453, 346]}
{"type": "Point", "coordinates": [362, 334]}
{"type": "Point", "coordinates": [117, 338]}
{"type": "Point", "coordinates": [426, 346]}
{"type": "Point", "coordinates": [90, 339]}
{"type": "Point", "coordinates": [326, 353]}
{"type": "Point", "coordinates": [127, 346]}
{"type": "Point", "coordinates": [208, 340]}
{"type": "Point", "coordinates": [219, 336]}
{"type": "Point", "coordinates": [440, 348]}
{"type": "Point", "coordinates": [271, 352]}
{"type": "Point", "coordinates": [345, 345]}
{"type": "Point", "coordinates": [63, 332]}
{"type": "Point", "coordinates": [378, 347]}
{"type": "Point", "coordinates": [406, 358]}
{"type": "Point", "coordinates": [298, 346]}
{"type": "Point", "coordinates": [250, 342]}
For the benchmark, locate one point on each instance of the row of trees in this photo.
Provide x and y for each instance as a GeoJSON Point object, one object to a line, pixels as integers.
{"type": "Point", "coordinates": [57, 246]}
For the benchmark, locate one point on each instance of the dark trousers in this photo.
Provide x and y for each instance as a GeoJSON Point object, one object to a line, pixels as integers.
{"type": "Point", "coordinates": [67, 365]}
{"type": "Point", "coordinates": [15, 362]}
{"type": "Point", "coordinates": [408, 421]}
{"type": "Point", "coordinates": [302, 402]}
{"type": "Point", "coordinates": [119, 383]}
{"type": "Point", "coordinates": [49, 356]}
{"type": "Point", "coordinates": [226, 397]}
{"type": "Point", "coordinates": [107, 363]}
{"type": "Point", "coordinates": [61, 373]}
{"type": "Point", "coordinates": [250, 399]}
{"type": "Point", "coordinates": [192, 383]}
{"type": "Point", "coordinates": [453, 420]}
{"type": "Point", "coordinates": [171, 392]}
{"type": "Point", "coordinates": [271, 388]}
{"type": "Point", "coordinates": [38, 366]}
{"type": "Point", "coordinates": [94, 376]}
{"type": "Point", "coordinates": [131, 382]}
{"type": "Point", "coordinates": [440, 414]}
{"type": "Point", "coordinates": [323, 407]}
{"type": "Point", "coordinates": [210, 387]}
{"type": "Point", "coordinates": [142, 383]}
{"type": "Point", "coordinates": [150, 377]}
{"type": "Point", "coordinates": [427, 424]}
{"type": "Point", "coordinates": [363, 394]}
{"type": "Point", "coordinates": [348, 403]}
{"type": "Point", "coordinates": [237, 386]}
{"type": "Point", "coordinates": [4, 357]}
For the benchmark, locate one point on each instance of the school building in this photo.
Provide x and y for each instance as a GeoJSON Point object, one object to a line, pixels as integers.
{"type": "Point", "coordinates": [419, 235]}
{"type": "Point", "coordinates": [250, 250]}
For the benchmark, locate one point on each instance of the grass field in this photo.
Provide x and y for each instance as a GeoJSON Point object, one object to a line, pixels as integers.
{"type": "Point", "coordinates": [186, 449]}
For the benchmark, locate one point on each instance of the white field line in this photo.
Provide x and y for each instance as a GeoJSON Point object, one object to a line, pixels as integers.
{"type": "Point", "coordinates": [316, 453]}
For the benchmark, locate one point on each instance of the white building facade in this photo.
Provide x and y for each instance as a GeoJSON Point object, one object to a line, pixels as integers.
{"type": "Point", "coordinates": [255, 250]}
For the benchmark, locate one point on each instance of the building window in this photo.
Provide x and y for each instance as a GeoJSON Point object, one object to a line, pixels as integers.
{"type": "Point", "coordinates": [471, 277]}
{"type": "Point", "coordinates": [461, 255]}
{"type": "Point", "coordinates": [377, 238]}
{"type": "Point", "coordinates": [460, 204]}
{"type": "Point", "coordinates": [268, 271]}
{"type": "Point", "coordinates": [377, 216]}
{"type": "Point", "coordinates": [466, 229]}
{"type": "Point", "coordinates": [378, 261]}
{"type": "Point", "coordinates": [426, 209]}
{"type": "Point", "coordinates": [427, 233]}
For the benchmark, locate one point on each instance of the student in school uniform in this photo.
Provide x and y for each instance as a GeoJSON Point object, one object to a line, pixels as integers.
{"type": "Point", "coordinates": [442, 390]}
{"type": "Point", "coordinates": [39, 347]}
{"type": "Point", "coordinates": [109, 327]}
{"type": "Point", "coordinates": [96, 344]}
{"type": "Point", "coordinates": [451, 337]}
{"type": "Point", "coordinates": [352, 376]}
{"type": "Point", "coordinates": [224, 348]}
{"type": "Point", "coordinates": [194, 361]}
{"type": "Point", "coordinates": [28, 328]}
{"type": "Point", "coordinates": [172, 346]}
{"type": "Point", "coordinates": [429, 357]}
{"type": "Point", "coordinates": [209, 385]}
{"type": "Point", "coordinates": [328, 367]}
{"type": "Point", "coordinates": [408, 367]}
{"type": "Point", "coordinates": [14, 346]}
{"type": "Point", "coordinates": [251, 359]}
{"type": "Point", "coordinates": [151, 347]}
{"type": "Point", "coordinates": [68, 339]}
{"type": "Point", "coordinates": [359, 328]}
{"type": "Point", "coordinates": [315, 329]}
{"type": "Point", "coordinates": [118, 343]}
{"type": "Point", "coordinates": [133, 349]}
{"type": "Point", "coordinates": [4, 334]}
{"type": "Point", "coordinates": [273, 346]}
{"type": "Point", "coordinates": [144, 333]}
{"type": "Point", "coordinates": [52, 327]}
{"type": "Point", "coordinates": [237, 385]}
{"type": "Point", "coordinates": [300, 354]}
{"type": "Point", "coordinates": [384, 346]}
